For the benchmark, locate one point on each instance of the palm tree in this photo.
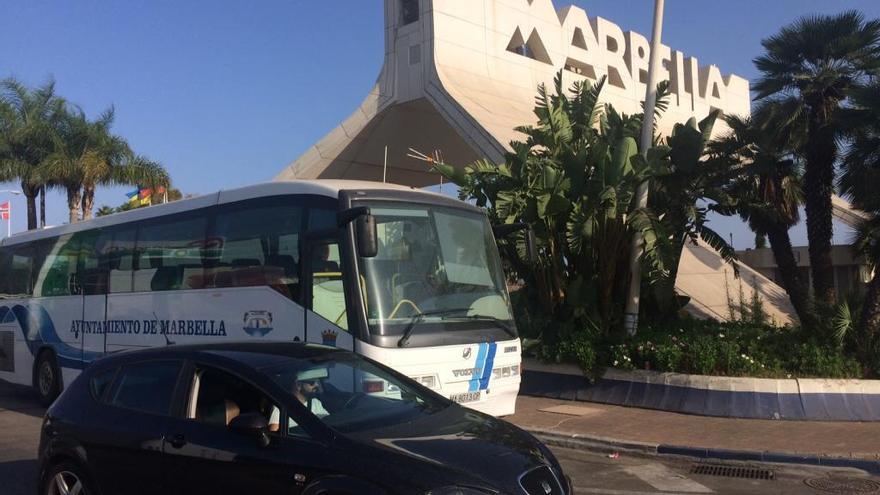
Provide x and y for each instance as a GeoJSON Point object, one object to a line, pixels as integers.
{"type": "Point", "coordinates": [88, 155]}
{"type": "Point", "coordinates": [116, 168]}
{"type": "Point", "coordinates": [105, 210]}
{"type": "Point", "coordinates": [861, 174]}
{"type": "Point", "coordinates": [28, 126]}
{"type": "Point", "coordinates": [766, 193]}
{"type": "Point", "coordinates": [816, 62]}
{"type": "Point", "coordinates": [66, 163]}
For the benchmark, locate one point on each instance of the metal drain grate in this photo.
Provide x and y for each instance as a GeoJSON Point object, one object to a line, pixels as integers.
{"type": "Point", "coordinates": [733, 471]}
{"type": "Point", "coordinates": [843, 485]}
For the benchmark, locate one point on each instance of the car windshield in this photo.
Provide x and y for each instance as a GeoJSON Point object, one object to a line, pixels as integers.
{"type": "Point", "coordinates": [435, 263]}
{"type": "Point", "coordinates": [351, 394]}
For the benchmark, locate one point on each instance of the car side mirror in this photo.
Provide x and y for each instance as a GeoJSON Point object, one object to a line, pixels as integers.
{"type": "Point", "coordinates": [252, 425]}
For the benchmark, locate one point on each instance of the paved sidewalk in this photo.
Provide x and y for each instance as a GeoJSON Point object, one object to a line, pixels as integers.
{"type": "Point", "coordinates": [627, 424]}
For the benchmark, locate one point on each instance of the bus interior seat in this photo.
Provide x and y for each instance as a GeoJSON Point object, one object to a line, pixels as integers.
{"type": "Point", "coordinates": [285, 262]}
{"type": "Point", "coordinates": [245, 262]}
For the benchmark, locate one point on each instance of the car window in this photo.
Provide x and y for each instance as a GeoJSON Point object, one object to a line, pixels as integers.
{"type": "Point", "coordinates": [99, 383]}
{"type": "Point", "coordinates": [147, 387]}
{"type": "Point", "coordinates": [218, 397]}
{"type": "Point", "coordinates": [351, 394]}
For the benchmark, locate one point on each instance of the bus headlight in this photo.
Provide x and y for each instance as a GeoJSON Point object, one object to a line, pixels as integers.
{"type": "Point", "coordinates": [429, 381]}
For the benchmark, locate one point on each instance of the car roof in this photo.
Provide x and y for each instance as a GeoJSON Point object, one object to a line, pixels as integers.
{"type": "Point", "coordinates": [255, 355]}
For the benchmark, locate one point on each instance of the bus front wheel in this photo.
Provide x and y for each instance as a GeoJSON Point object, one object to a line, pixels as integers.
{"type": "Point", "coordinates": [47, 378]}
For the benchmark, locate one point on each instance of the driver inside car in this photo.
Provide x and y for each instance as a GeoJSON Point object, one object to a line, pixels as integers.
{"type": "Point", "coordinates": [306, 387]}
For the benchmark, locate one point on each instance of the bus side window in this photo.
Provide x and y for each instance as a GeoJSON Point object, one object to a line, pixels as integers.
{"type": "Point", "coordinates": [20, 268]}
{"type": "Point", "coordinates": [256, 246]}
{"type": "Point", "coordinates": [169, 255]}
{"type": "Point", "coordinates": [119, 259]}
{"type": "Point", "coordinates": [55, 267]}
{"type": "Point", "coordinates": [5, 271]}
{"type": "Point", "coordinates": [93, 268]}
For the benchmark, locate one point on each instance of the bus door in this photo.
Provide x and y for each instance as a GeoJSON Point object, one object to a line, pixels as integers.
{"type": "Point", "coordinates": [93, 279]}
{"type": "Point", "coordinates": [323, 294]}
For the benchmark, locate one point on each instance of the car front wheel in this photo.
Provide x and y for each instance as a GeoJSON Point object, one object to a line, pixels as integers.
{"type": "Point", "coordinates": [67, 478]}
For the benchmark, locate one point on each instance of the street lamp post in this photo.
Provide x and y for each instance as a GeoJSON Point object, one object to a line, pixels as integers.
{"type": "Point", "coordinates": [631, 312]}
{"type": "Point", "coordinates": [9, 218]}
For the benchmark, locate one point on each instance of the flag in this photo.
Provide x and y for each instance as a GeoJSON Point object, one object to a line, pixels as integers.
{"type": "Point", "coordinates": [145, 193]}
{"type": "Point", "coordinates": [133, 196]}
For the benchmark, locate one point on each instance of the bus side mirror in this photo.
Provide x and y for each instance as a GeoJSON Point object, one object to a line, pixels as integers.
{"type": "Point", "coordinates": [367, 238]}
{"type": "Point", "coordinates": [531, 246]}
{"type": "Point", "coordinates": [509, 228]}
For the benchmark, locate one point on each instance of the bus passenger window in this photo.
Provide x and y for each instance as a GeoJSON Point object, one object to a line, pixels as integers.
{"type": "Point", "coordinates": [16, 267]}
{"type": "Point", "coordinates": [56, 275]}
{"type": "Point", "coordinates": [169, 256]}
{"type": "Point", "coordinates": [255, 246]}
{"type": "Point", "coordinates": [119, 257]}
{"type": "Point", "coordinates": [92, 269]}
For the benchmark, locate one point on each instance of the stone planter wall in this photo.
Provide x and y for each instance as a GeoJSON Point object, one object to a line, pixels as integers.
{"type": "Point", "coordinates": [735, 397]}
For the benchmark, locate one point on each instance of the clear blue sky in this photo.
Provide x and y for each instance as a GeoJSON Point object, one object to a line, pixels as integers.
{"type": "Point", "coordinates": [226, 93]}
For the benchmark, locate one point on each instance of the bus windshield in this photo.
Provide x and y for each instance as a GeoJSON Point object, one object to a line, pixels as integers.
{"type": "Point", "coordinates": [434, 264]}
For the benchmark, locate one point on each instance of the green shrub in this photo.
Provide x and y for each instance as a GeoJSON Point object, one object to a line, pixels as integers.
{"type": "Point", "coordinates": [707, 348]}
{"type": "Point", "coordinates": [703, 356]}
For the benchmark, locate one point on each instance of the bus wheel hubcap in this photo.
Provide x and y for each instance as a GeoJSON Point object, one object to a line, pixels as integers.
{"type": "Point", "coordinates": [46, 378]}
{"type": "Point", "coordinates": [66, 483]}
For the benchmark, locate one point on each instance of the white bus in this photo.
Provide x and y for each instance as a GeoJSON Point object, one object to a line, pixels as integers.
{"type": "Point", "coordinates": [409, 278]}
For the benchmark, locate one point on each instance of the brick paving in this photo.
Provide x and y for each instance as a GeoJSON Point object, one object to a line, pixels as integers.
{"type": "Point", "coordinates": [629, 424]}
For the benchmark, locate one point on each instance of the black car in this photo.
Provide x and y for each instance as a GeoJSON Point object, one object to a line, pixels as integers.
{"type": "Point", "coordinates": [270, 418]}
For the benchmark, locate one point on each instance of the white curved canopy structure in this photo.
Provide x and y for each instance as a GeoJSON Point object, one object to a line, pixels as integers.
{"type": "Point", "coordinates": [460, 75]}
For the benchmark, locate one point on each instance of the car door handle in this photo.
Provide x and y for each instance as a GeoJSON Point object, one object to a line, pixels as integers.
{"type": "Point", "coordinates": [176, 441]}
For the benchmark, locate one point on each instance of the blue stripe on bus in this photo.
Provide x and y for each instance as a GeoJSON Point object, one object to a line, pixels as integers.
{"type": "Point", "coordinates": [38, 329]}
{"type": "Point", "coordinates": [487, 366]}
{"type": "Point", "coordinates": [474, 383]}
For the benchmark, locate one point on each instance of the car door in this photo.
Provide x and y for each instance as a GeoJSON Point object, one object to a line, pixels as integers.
{"type": "Point", "coordinates": [209, 458]}
{"type": "Point", "coordinates": [125, 439]}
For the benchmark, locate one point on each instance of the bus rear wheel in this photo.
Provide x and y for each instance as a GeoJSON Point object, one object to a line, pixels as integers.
{"type": "Point", "coordinates": [47, 378]}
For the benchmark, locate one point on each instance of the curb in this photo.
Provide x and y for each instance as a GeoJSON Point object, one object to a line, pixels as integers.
{"type": "Point", "coordinates": [602, 444]}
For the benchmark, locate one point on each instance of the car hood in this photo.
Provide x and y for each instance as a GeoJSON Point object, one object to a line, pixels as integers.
{"type": "Point", "coordinates": [478, 448]}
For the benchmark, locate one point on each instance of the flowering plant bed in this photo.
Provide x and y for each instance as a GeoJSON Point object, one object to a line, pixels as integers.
{"type": "Point", "coordinates": [736, 349]}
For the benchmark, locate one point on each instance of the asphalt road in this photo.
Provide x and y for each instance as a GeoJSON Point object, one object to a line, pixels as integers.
{"type": "Point", "coordinates": [21, 415]}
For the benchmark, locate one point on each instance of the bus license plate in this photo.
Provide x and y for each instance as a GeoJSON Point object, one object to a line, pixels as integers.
{"type": "Point", "coordinates": [465, 397]}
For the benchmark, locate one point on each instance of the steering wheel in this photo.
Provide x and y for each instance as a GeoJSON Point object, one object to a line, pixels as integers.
{"type": "Point", "coordinates": [354, 399]}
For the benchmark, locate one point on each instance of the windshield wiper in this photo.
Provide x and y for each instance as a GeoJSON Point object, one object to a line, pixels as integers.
{"type": "Point", "coordinates": [410, 328]}
{"type": "Point", "coordinates": [495, 321]}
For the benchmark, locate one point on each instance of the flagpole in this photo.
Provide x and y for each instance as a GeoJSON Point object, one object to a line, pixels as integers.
{"type": "Point", "coordinates": [631, 313]}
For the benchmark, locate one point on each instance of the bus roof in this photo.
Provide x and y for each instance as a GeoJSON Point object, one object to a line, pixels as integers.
{"type": "Point", "coordinates": [319, 187]}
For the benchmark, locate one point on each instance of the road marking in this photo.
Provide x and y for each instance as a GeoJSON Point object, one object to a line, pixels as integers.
{"type": "Point", "coordinates": [664, 479]}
